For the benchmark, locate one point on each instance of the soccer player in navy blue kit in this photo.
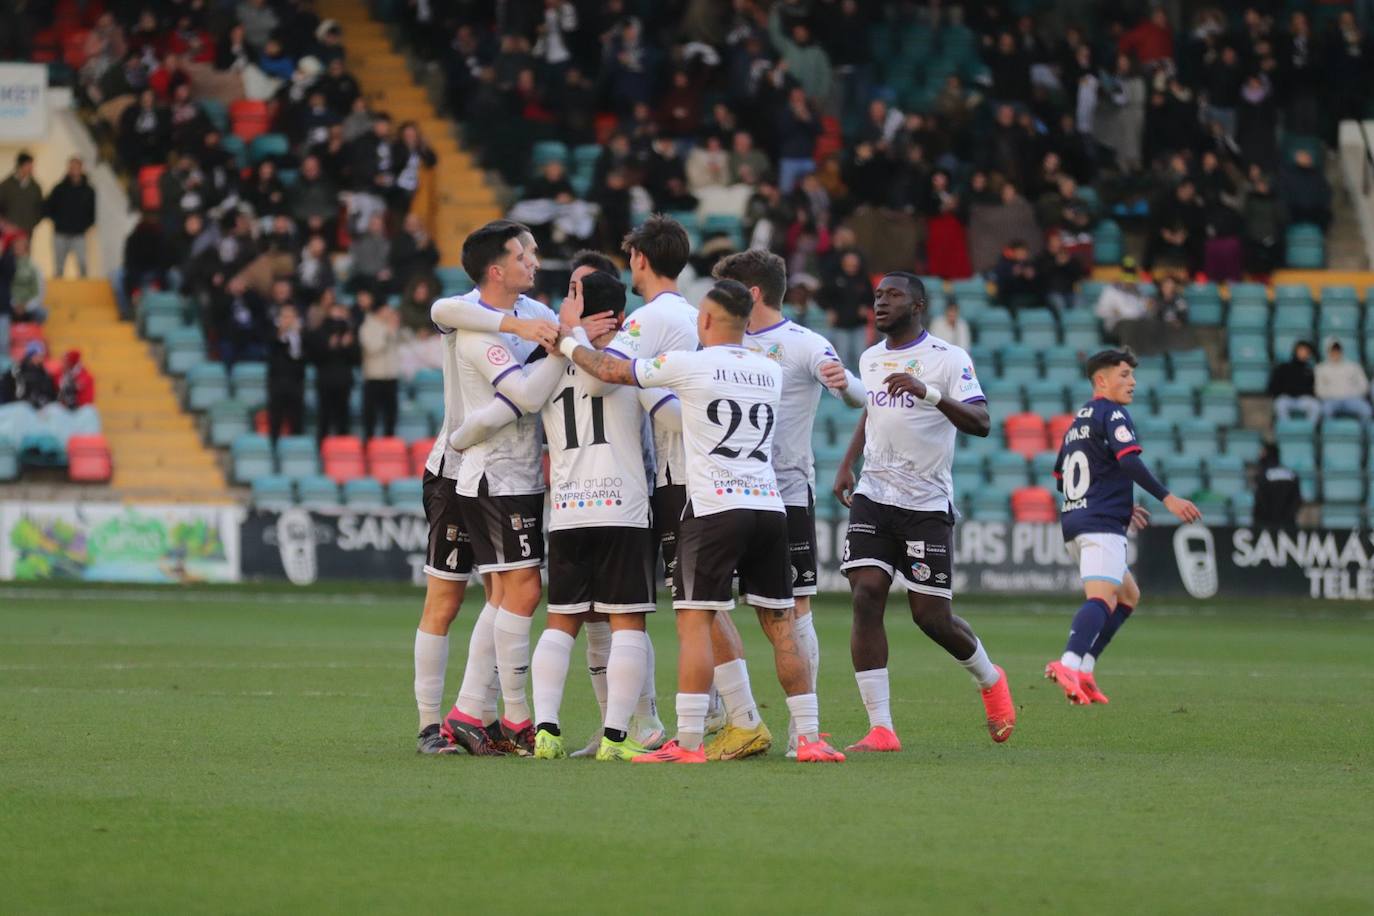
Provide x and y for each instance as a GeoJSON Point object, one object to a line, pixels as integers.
{"type": "Point", "coordinates": [1099, 463]}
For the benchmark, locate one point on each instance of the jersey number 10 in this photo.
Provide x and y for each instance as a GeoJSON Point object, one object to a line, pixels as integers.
{"type": "Point", "coordinates": [1077, 477]}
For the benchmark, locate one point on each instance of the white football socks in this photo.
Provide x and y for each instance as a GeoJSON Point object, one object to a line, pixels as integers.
{"type": "Point", "coordinates": [981, 668]}
{"type": "Point", "coordinates": [549, 673]}
{"type": "Point", "coordinates": [598, 657]}
{"type": "Point", "coordinates": [647, 708]}
{"type": "Point", "coordinates": [513, 661]}
{"type": "Point", "coordinates": [473, 692]}
{"type": "Point", "coordinates": [873, 688]}
{"type": "Point", "coordinates": [805, 628]}
{"type": "Point", "coordinates": [431, 660]}
{"type": "Point", "coordinates": [1089, 662]}
{"type": "Point", "coordinates": [732, 680]}
{"type": "Point", "coordinates": [806, 713]}
{"type": "Point", "coordinates": [691, 719]}
{"type": "Point", "coordinates": [1071, 660]}
{"type": "Point", "coordinates": [625, 676]}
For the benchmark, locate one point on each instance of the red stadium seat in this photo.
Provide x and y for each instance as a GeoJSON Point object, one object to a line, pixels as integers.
{"type": "Point", "coordinates": [21, 335]}
{"type": "Point", "coordinates": [249, 118]}
{"type": "Point", "coordinates": [1058, 426]}
{"type": "Point", "coordinates": [1033, 504]}
{"type": "Point", "coordinates": [88, 459]}
{"type": "Point", "coordinates": [342, 457]}
{"type": "Point", "coordinates": [419, 454]}
{"type": "Point", "coordinates": [387, 459]}
{"type": "Point", "coordinates": [149, 191]}
{"type": "Point", "coordinates": [74, 48]}
{"type": "Point", "coordinates": [1025, 434]}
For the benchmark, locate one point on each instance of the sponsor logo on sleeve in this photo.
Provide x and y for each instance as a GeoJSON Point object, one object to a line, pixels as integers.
{"type": "Point", "coordinates": [1124, 434]}
{"type": "Point", "coordinates": [497, 355]}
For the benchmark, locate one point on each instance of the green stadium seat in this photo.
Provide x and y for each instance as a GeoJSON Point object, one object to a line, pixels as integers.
{"type": "Point", "coordinates": [1004, 397]}
{"type": "Point", "coordinates": [1287, 294]}
{"type": "Point", "coordinates": [298, 456]}
{"type": "Point", "coordinates": [428, 381]}
{"type": "Point", "coordinates": [968, 464]}
{"type": "Point", "coordinates": [1188, 359]}
{"type": "Point", "coordinates": [268, 146]}
{"type": "Point", "coordinates": [405, 493]}
{"type": "Point", "coordinates": [272, 491]}
{"type": "Point", "coordinates": [1248, 293]}
{"type": "Point", "coordinates": [1242, 507]}
{"type": "Point", "coordinates": [227, 421]}
{"type": "Point", "coordinates": [185, 347]}
{"type": "Point", "coordinates": [981, 445]}
{"type": "Point", "coordinates": [1150, 376]}
{"type": "Point", "coordinates": [1042, 469]}
{"type": "Point", "coordinates": [413, 421]}
{"type": "Point", "coordinates": [995, 328]}
{"type": "Point", "coordinates": [1248, 347]}
{"type": "Point", "coordinates": [1344, 515]}
{"type": "Point", "coordinates": [1174, 399]}
{"type": "Point", "coordinates": [317, 491]}
{"type": "Point", "coordinates": [1243, 443]}
{"type": "Point", "coordinates": [1197, 437]}
{"type": "Point", "coordinates": [1019, 362]}
{"type": "Point", "coordinates": [1182, 474]}
{"type": "Point", "coordinates": [206, 385]}
{"type": "Point", "coordinates": [250, 383]}
{"type": "Point", "coordinates": [1343, 484]}
{"type": "Point", "coordinates": [252, 457]}
{"type": "Point", "coordinates": [990, 505]}
{"type": "Point", "coordinates": [1156, 433]}
{"type": "Point", "coordinates": [1219, 403]}
{"type": "Point", "coordinates": [454, 281]}
{"type": "Point", "coordinates": [1250, 376]}
{"type": "Point", "coordinates": [1046, 396]}
{"type": "Point", "coordinates": [1343, 429]}
{"type": "Point", "coordinates": [1213, 506]}
{"type": "Point", "coordinates": [1248, 316]}
{"type": "Point", "coordinates": [1038, 329]}
{"type": "Point", "coordinates": [546, 151]}
{"type": "Point", "coordinates": [1340, 319]}
{"type": "Point", "coordinates": [1007, 471]}
{"type": "Point", "coordinates": [1340, 295]}
{"type": "Point", "coordinates": [157, 325]}
{"type": "Point", "coordinates": [1226, 474]}
{"type": "Point", "coordinates": [364, 493]}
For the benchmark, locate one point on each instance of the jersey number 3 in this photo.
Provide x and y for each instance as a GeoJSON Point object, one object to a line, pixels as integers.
{"type": "Point", "coordinates": [760, 417]}
{"type": "Point", "coordinates": [570, 420]}
{"type": "Point", "coordinates": [1077, 477]}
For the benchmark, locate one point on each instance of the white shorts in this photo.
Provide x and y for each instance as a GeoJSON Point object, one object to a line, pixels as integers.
{"type": "Point", "coordinates": [1101, 557]}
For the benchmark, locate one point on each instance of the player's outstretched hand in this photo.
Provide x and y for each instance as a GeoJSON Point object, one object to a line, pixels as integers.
{"type": "Point", "coordinates": [1140, 518]}
{"type": "Point", "coordinates": [1184, 509]}
{"type": "Point", "coordinates": [537, 330]}
{"type": "Point", "coordinates": [898, 382]}
{"type": "Point", "coordinates": [833, 375]}
{"type": "Point", "coordinates": [844, 485]}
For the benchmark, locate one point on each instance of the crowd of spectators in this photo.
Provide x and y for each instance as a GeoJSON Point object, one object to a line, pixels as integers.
{"type": "Point", "coordinates": [1334, 387]}
{"type": "Point", "coordinates": [956, 140]}
{"type": "Point", "coordinates": [294, 247]}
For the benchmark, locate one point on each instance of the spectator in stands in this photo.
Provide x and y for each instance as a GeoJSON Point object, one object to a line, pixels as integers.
{"type": "Point", "coordinates": [1002, 218]}
{"type": "Point", "coordinates": [286, 375]}
{"type": "Point", "coordinates": [1277, 494]}
{"type": "Point", "coordinates": [1265, 218]}
{"type": "Point", "coordinates": [1060, 272]}
{"type": "Point", "coordinates": [1019, 284]}
{"type": "Point", "coordinates": [1305, 191]}
{"type": "Point", "coordinates": [371, 265]}
{"type": "Point", "coordinates": [1122, 300]}
{"type": "Point", "coordinates": [334, 350]}
{"type": "Point", "coordinates": [21, 199]}
{"type": "Point", "coordinates": [748, 164]}
{"type": "Point", "coordinates": [144, 133]}
{"type": "Point", "coordinates": [412, 155]}
{"type": "Point", "coordinates": [416, 302]}
{"type": "Point", "coordinates": [259, 21]}
{"type": "Point", "coordinates": [26, 285]}
{"type": "Point", "coordinates": [1178, 229]}
{"type": "Point", "coordinates": [951, 327]}
{"type": "Point", "coordinates": [74, 382]}
{"type": "Point", "coordinates": [240, 321]}
{"type": "Point", "coordinates": [708, 166]}
{"type": "Point", "coordinates": [1120, 124]}
{"type": "Point", "coordinates": [847, 298]}
{"type": "Point", "coordinates": [314, 272]}
{"type": "Point", "coordinates": [313, 201]}
{"type": "Point", "coordinates": [28, 380]}
{"type": "Point", "coordinates": [71, 207]}
{"type": "Point", "coordinates": [380, 339]}
{"type": "Point", "coordinates": [145, 260]}
{"type": "Point", "coordinates": [372, 158]}
{"type": "Point", "coordinates": [1292, 385]}
{"type": "Point", "coordinates": [798, 127]}
{"type": "Point", "coordinates": [806, 61]}
{"type": "Point", "coordinates": [1342, 385]}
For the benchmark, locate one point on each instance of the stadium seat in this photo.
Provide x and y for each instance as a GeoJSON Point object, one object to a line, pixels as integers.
{"type": "Point", "coordinates": [1219, 403]}
{"type": "Point", "coordinates": [415, 419]}
{"type": "Point", "coordinates": [317, 491]}
{"type": "Point", "coordinates": [1226, 474]}
{"type": "Point", "coordinates": [1019, 362]}
{"type": "Point", "coordinates": [1156, 433]}
{"type": "Point", "coordinates": [1343, 484]}
{"type": "Point", "coordinates": [547, 151]}
{"type": "Point", "coordinates": [1174, 399]}
{"type": "Point", "coordinates": [1056, 428]}
{"type": "Point", "coordinates": [428, 382]}
{"type": "Point", "coordinates": [1004, 397]}
{"type": "Point", "coordinates": [1033, 504]}
{"type": "Point", "coordinates": [88, 459]}
{"type": "Point", "coordinates": [1190, 366]}
{"type": "Point", "coordinates": [419, 454]}
{"type": "Point", "coordinates": [185, 347]}
{"type": "Point", "coordinates": [387, 459]}
{"type": "Point", "coordinates": [252, 457]}
{"type": "Point", "coordinates": [364, 493]}
{"type": "Point", "coordinates": [342, 458]}
{"type": "Point", "coordinates": [454, 280]}
{"type": "Point", "coordinates": [298, 456]}
{"type": "Point", "coordinates": [405, 493]}
{"type": "Point", "coordinates": [1339, 319]}
{"type": "Point", "coordinates": [1344, 515]}
{"type": "Point", "coordinates": [267, 146]}
{"type": "Point", "coordinates": [1038, 329]}
{"type": "Point", "coordinates": [995, 328]}
{"type": "Point", "coordinates": [1197, 437]}
{"type": "Point", "coordinates": [1204, 303]}
{"type": "Point", "coordinates": [1305, 247]}
{"type": "Point", "coordinates": [1244, 443]}
{"type": "Point", "coordinates": [1008, 470]}
{"type": "Point", "coordinates": [1046, 396]}
{"type": "Point", "coordinates": [1342, 429]}
{"type": "Point", "coordinates": [1182, 473]}
{"type": "Point", "coordinates": [1340, 295]}
{"type": "Point", "coordinates": [250, 383]}
{"type": "Point", "coordinates": [227, 421]}
{"type": "Point", "coordinates": [272, 491]}
{"type": "Point", "coordinates": [1242, 507]}
{"type": "Point", "coordinates": [9, 459]}
{"type": "Point", "coordinates": [1248, 293]}
{"type": "Point", "coordinates": [1042, 468]}
{"type": "Point", "coordinates": [968, 464]}
{"type": "Point", "coordinates": [249, 118]}
{"type": "Point", "coordinates": [1248, 316]}
{"type": "Point", "coordinates": [206, 385]}
{"type": "Point", "coordinates": [990, 505]}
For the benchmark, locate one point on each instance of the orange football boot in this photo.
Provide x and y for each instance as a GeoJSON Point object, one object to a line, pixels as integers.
{"type": "Point", "coordinates": [672, 752]}
{"type": "Point", "coordinates": [1090, 691]}
{"type": "Point", "coordinates": [1067, 679]}
{"type": "Point", "coordinates": [1000, 709]}
{"type": "Point", "coordinates": [818, 751]}
{"type": "Point", "coordinates": [879, 739]}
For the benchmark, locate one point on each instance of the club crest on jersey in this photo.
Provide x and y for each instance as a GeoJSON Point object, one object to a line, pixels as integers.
{"type": "Point", "coordinates": [1123, 434]}
{"type": "Point", "coordinates": [914, 367]}
{"type": "Point", "coordinates": [774, 352]}
{"type": "Point", "coordinates": [920, 571]}
{"type": "Point", "coordinates": [498, 356]}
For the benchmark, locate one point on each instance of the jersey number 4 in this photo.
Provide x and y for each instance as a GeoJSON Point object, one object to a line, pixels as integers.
{"type": "Point", "coordinates": [760, 417]}
{"type": "Point", "coordinates": [1077, 476]}
{"type": "Point", "coordinates": [570, 420]}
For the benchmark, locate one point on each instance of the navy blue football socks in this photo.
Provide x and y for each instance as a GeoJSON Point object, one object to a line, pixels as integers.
{"type": "Point", "coordinates": [1113, 623]}
{"type": "Point", "coordinates": [1087, 625]}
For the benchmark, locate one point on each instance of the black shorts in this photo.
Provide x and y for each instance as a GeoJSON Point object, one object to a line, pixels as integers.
{"type": "Point", "coordinates": [801, 547]}
{"type": "Point", "coordinates": [915, 548]}
{"type": "Point", "coordinates": [450, 549]}
{"type": "Point", "coordinates": [667, 503]}
{"type": "Point", "coordinates": [507, 531]}
{"type": "Point", "coordinates": [712, 549]}
{"type": "Point", "coordinates": [608, 570]}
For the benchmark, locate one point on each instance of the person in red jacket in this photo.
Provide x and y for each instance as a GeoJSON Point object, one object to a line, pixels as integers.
{"type": "Point", "coordinates": [1151, 40]}
{"type": "Point", "coordinates": [75, 384]}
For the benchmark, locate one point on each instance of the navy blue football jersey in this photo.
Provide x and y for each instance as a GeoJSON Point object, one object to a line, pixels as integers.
{"type": "Point", "coordinates": [1098, 496]}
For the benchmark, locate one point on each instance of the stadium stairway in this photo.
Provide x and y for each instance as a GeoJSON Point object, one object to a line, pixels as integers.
{"type": "Point", "coordinates": [158, 454]}
{"type": "Point", "coordinates": [462, 200]}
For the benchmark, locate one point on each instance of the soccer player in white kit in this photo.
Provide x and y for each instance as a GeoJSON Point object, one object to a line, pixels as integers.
{"type": "Point", "coordinates": [921, 390]}
{"type": "Point", "coordinates": [734, 521]}
{"type": "Point", "coordinates": [448, 561]}
{"type": "Point", "coordinates": [601, 555]}
{"type": "Point", "coordinates": [809, 367]}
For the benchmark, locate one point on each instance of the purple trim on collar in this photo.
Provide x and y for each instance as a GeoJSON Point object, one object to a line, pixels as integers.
{"type": "Point", "coordinates": [907, 346]}
{"type": "Point", "coordinates": [511, 404]}
{"type": "Point", "coordinates": [496, 381]}
{"type": "Point", "coordinates": [666, 292]}
{"type": "Point", "coordinates": [490, 308]}
{"type": "Point", "coordinates": [771, 327]}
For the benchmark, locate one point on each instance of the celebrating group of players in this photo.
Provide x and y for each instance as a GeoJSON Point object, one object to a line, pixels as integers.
{"type": "Point", "coordinates": [684, 432]}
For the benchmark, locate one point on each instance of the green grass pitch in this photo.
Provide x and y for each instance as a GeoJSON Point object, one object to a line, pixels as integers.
{"type": "Point", "coordinates": [253, 751]}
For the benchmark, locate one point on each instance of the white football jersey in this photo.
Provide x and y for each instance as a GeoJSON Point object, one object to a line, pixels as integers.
{"type": "Point", "coordinates": [666, 323]}
{"type": "Point", "coordinates": [444, 460]}
{"type": "Point", "coordinates": [909, 448]}
{"type": "Point", "coordinates": [596, 453]}
{"type": "Point", "coordinates": [800, 353]}
{"type": "Point", "coordinates": [730, 398]}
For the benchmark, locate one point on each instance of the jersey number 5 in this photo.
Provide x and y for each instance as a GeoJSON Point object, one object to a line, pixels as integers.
{"type": "Point", "coordinates": [1077, 477]}
{"type": "Point", "coordinates": [570, 420]}
{"type": "Point", "coordinates": [760, 417]}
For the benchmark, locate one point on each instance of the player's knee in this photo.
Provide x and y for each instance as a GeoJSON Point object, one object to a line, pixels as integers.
{"type": "Point", "coordinates": [1129, 593]}
{"type": "Point", "coordinates": [521, 589]}
{"type": "Point", "coordinates": [932, 614]}
{"type": "Point", "coordinates": [870, 593]}
{"type": "Point", "coordinates": [442, 600]}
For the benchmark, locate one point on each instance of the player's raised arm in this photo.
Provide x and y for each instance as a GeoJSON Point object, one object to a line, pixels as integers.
{"type": "Point", "coordinates": [464, 315]}
{"type": "Point", "coordinates": [597, 363]}
{"type": "Point", "coordinates": [844, 477]}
